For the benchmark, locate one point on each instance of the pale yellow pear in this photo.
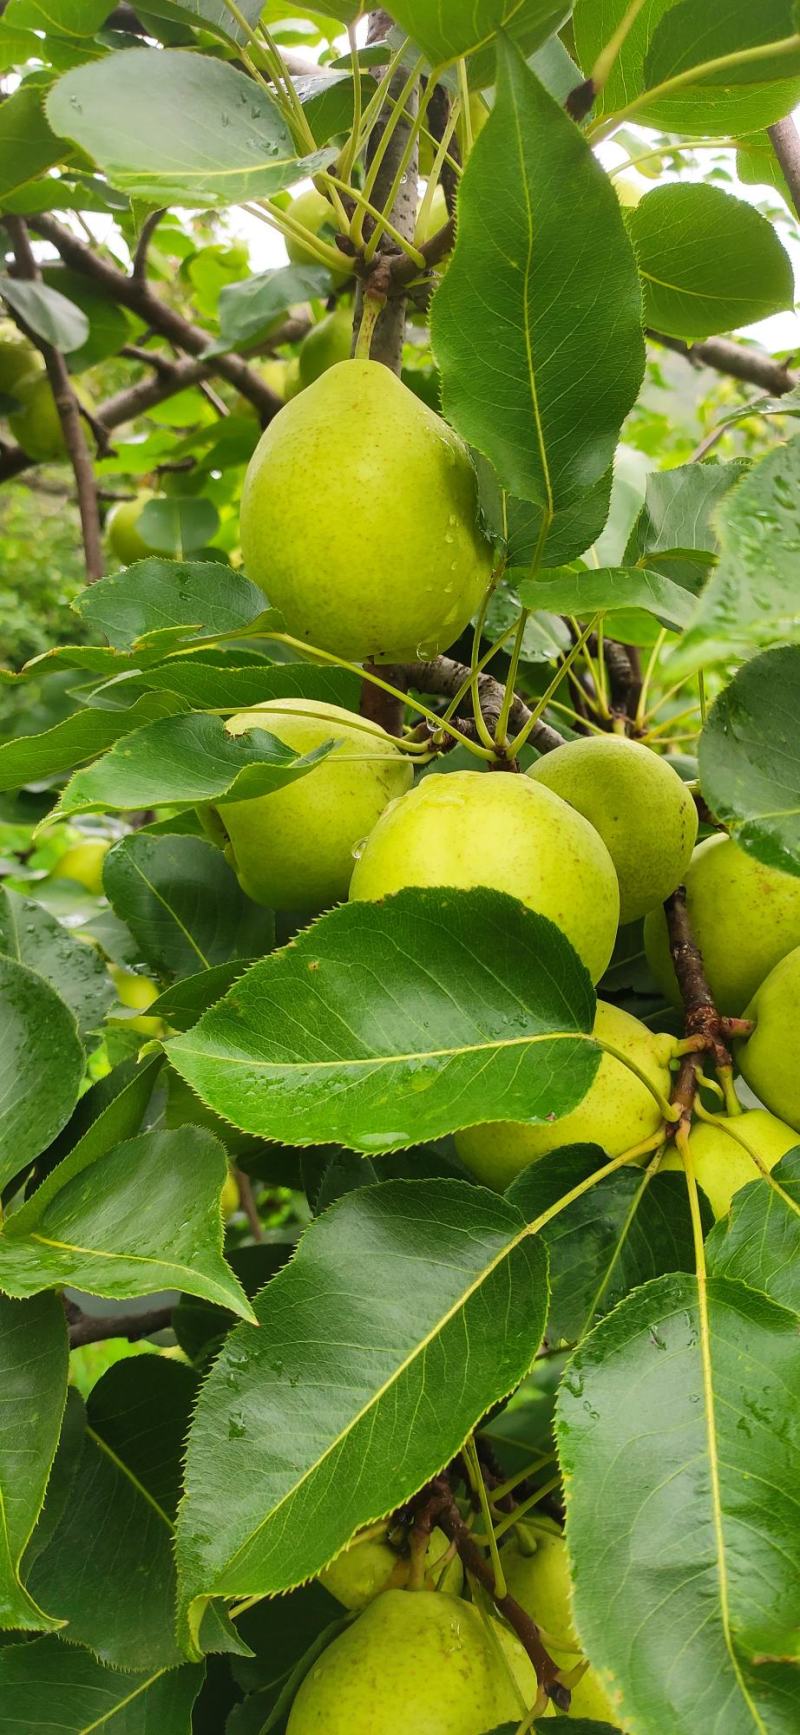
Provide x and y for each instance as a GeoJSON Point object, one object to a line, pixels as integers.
{"type": "Point", "coordinates": [617, 1112]}
{"type": "Point", "coordinates": [360, 519]}
{"type": "Point", "coordinates": [314, 211]}
{"type": "Point", "coordinates": [769, 1058]}
{"type": "Point", "coordinates": [536, 1567]}
{"type": "Point", "coordinates": [471, 828]}
{"type": "Point", "coordinates": [294, 849]}
{"type": "Point", "coordinates": [416, 1663]}
{"type": "Point", "coordinates": [643, 812]}
{"type": "Point", "coordinates": [327, 343]}
{"type": "Point", "coordinates": [125, 539]}
{"type": "Point", "coordinates": [137, 992]}
{"type": "Point", "coordinates": [370, 1565]}
{"type": "Point", "coordinates": [83, 862]}
{"type": "Point", "coordinates": [745, 917]}
{"type": "Point", "coordinates": [720, 1160]}
{"type": "Point", "coordinates": [433, 219]}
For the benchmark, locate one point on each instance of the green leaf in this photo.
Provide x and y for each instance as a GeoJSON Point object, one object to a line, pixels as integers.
{"type": "Point", "coordinates": [153, 593]}
{"type": "Point", "coordinates": [89, 731]}
{"type": "Point", "coordinates": [542, 48]}
{"type": "Point", "coordinates": [709, 262]}
{"type": "Point", "coordinates": [108, 325]}
{"type": "Point", "coordinates": [107, 1566]}
{"type": "Point", "coordinates": [208, 686]}
{"type": "Point", "coordinates": [549, 432]}
{"type": "Point", "coordinates": [576, 525]}
{"type": "Point", "coordinates": [33, 1377]}
{"type": "Point", "coordinates": [479, 1019]}
{"type": "Point", "coordinates": [750, 758]}
{"type": "Point", "coordinates": [667, 36]}
{"type": "Point", "coordinates": [751, 600]}
{"type": "Point", "coordinates": [280, 1631]}
{"type": "Point", "coordinates": [47, 312]}
{"type": "Point", "coordinates": [110, 1111]}
{"type": "Point", "coordinates": [170, 126]}
{"type": "Point", "coordinates": [182, 1003]}
{"type": "Point", "coordinates": [78, 18]}
{"type": "Point", "coordinates": [32, 936]}
{"type": "Point", "coordinates": [47, 1686]}
{"type": "Point", "coordinates": [248, 308]}
{"type": "Point", "coordinates": [141, 1218]}
{"type": "Point", "coordinates": [42, 1065]}
{"type": "Point", "coordinates": [677, 521]}
{"type": "Point", "coordinates": [180, 761]}
{"type": "Point", "coordinates": [679, 1445]}
{"type": "Point", "coordinates": [178, 526]}
{"type": "Point", "coordinates": [759, 1241]}
{"type": "Point", "coordinates": [27, 144]}
{"type": "Point", "coordinates": [623, 1232]}
{"type": "Point", "coordinates": [445, 29]}
{"type": "Point", "coordinates": [183, 904]}
{"type": "Point", "coordinates": [311, 1469]}
{"type": "Point", "coordinates": [613, 587]}
{"type": "Point", "coordinates": [201, 1326]}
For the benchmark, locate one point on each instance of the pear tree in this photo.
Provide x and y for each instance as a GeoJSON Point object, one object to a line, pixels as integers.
{"type": "Point", "coordinates": [399, 868]}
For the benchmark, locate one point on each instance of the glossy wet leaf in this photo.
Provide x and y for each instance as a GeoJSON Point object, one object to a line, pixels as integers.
{"type": "Point", "coordinates": [676, 529]}
{"type": "Point", "coordinates": [481, 1018]}
{"type": "Point", "coordinates": [170, 126]}
{"type": "Point", "coordinates": [110, 1111]}
{"type": "Point", "coordinates": [206, 686]}
{"type": "Point", "coordinates": [750, 758]}
{"type": "Point", "coordinates": [32, 936]}
{"type": "Point", "coordinates": [141, 1218]}
{"type": "Point", "coordinates": [549, 432]}
{"type": "Point", "coordinates": [682, 1521]}
{"type": "Point", "coordinates": [80, 737]}
{"type": "Point", "coordinates": [183, 904]}
{"type": "Point", "coordinates": [759, 1242]}
{"type": "Point", "coordinates": [34, 1359]}
{"type": "Point", "coordinates": [49, 1684]}
{"type": "Point", "coordinates": [153, 594]}
{"type": "Point", "coordinates": [709, 263]}
{"type": "Point", "coordinates": [41, 1065]}
{"type": "Point", "coordinates": [389, 1291]}
{"type": "Point", "coordinates": [600, 592]}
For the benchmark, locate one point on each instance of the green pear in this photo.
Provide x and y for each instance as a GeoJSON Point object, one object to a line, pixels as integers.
{"type": "Point", "coordinates": [313, 210]}
{"type": "Point", "coordinates": [18, 358]}
{"type": "Point", "coordinates": [768, 1058]}
{"type": "Point", "coordinates": [617, 1111]}
{"type": "Point", "coordinates": [137, 992]}
{"type": "Point", "coordinates": [745, 917]}
{"type": "Point", "coordinates": [37, 424]}
{"type": "Point", "coordinates": [294, 849]}
{"type": "Point", "coordinates": [468, 828]}
{"type": "Point", "coordinates": [643, 812]}
{"type": "Point", "coordinates": [536, 1567]}
{"type": "Point", "coordinates": [381, 555]}
{"type": "Point", "coordinates": [721, 1164]}
{"type": "Point", "coordinates": [328, 342]}
{"type": "Point", "coordinates": [370, 1566]}
{"type": "Point", "coordinates": [273, 372]}
{"type": "Point", "coordinates": [434, 219]}
{"type": "Point", "coordinates": [125, 539]}
{"type": "Point", "coordinates": [416, 1663]}
{"type": "Point", "coordinates": [83, 862]}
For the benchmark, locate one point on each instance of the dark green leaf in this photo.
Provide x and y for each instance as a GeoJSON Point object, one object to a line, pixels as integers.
{"type": "Point", "coordinates": [42, 1065]}
{"type": "Point", "coordinates": [178, 526]}
{"type": "Point", "coordinates": [599, 592]}
{"type": "Point", "coordinates": [183, 904]}
{"type": "Point", "coordinates": [750, 93]}
{"type": "Point", "coordinates": [750, 758]}
{"type": "Point", "coordinates": [182, 1003]}
{"type": "Point", "coordinates": [47, 312]}
{"type": "Point", "coordinates": [445, 29]}
{"type": "Point", "coordinates": [248, 308]}
{"type": "Point", "coordinates": [27, 144]}
{"type": "Point", "coordinates": [27, 758]}
{"type": "Point", "coordinates": [47, 1686]}
{"type": "Point", "coordinates": [142, 1218]}
{"type": "Point", "coordinates": [309, 1473]}
{"type": "Point", "coordinates": [170, 126]}
{"type": "Point", "coordinates": [678, 519]}
{"type": "Point", "coordinates": [34, 937]}
{"type": "Point", "coordinates": [162, 593]}
{"type": "Point", "coordinates": [679, 1446]}
{"type": "Point", "coordinates": [200, 1326]}
{"type": "Point", "coordinates": [33, 1378]}
{"type": "Point", "coordinates": [482, 1017]}
{"type": "Point", "coordinates": [109, 327]}
{"type": "Point", "coordinates": [549, 433]}
{"type": "Point", "coordinates": [709, 263]}
{"type": "Point", "coordinates": [576, 524]}
{"type": "Point", "coordinates": [109, 1112]}
{"type": "Point", "coordinates": [623, 1232]}
{"type": "Point", "coordinates": [760, 1241]}
{"type": "Point", "coordinates": [205, 686]}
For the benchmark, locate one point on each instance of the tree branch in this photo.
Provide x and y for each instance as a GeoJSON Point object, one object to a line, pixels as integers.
{"type": "Point", "coordinates": [387, 342]}
{"type": "Point", "coordinates": [701, 1018]}
{"type": "Point", "coordinates": [786, 145]}
{"type": "Point", "coordinates": [137, 295]}
{"type": "Point", "coordinates": [753, 366]}
{"type": "Point", "coordinates": [84, 1328]}
{"type": "Point", "coordinates": [68, 409]}
{"type": "Point", "coordinates": [443, 677]}
{"type": "Point", "coordinates": [148, 229]}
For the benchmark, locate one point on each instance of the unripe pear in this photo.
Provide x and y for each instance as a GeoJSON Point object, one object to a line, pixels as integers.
{"type": "Point", "coordinates": [744, 916]}
{"type": "Point", "coordinates": [273, 372]}
{"type": "Point", "coordinates": [536, 1568]}
{"type": "Point", "coordinates": [294, 849]}
{"type": "Point", "coordinates": [229, 1197]}
{"type": "Point", "coordinates": [327, 343]}
{"type": "Point", "coordinates": [18, 358]}
{"type": "Point", "coordinates": [643, 812]}
{"type": "Point", "coordinates": [768, 1058]}
{"type": "Point", "coordinates": [370, 1566]}
{"type": "Point", "coordinates": [468, 828]}
{"type": "Point", "coordinates": [434, 219]}
{"type": "Point", "coordinates": [125, 539]}
{"type": "Point", "coordinates": [416, 1663]}
{"type": "Point", "coordinates": [137, 992]}
{"type": "Point", "coordinates": [37, 425]}
{"type": "Point", "coordinates": [360, 519]}
{"type": "Point", "coordinates": [617, 1112]}
{"type": "Point", "coordinates": [313, 210]}
{"type": "Point", "coordinates": [83, 862]}
{"type": "Point", "coordinates": [721, 1163]}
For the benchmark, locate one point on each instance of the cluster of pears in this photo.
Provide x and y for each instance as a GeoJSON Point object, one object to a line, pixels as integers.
{"type": "Point", "coordinates": [425, 1660]}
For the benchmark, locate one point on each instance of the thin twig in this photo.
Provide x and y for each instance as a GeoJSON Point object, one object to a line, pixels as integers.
{"type": "Point", "coordinates": [702, 1020]}
{"type": "Point", "coordinates": [68, 408]}
{"type": "Point", "coordinates": [84, 1328]}
{"type": "Point", "coordinates": [148, 229]}
{"type": "Point", "coordinates": [248, 1203]}
{"type": "Point", "coordinates": [741, 362]}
